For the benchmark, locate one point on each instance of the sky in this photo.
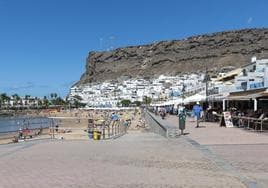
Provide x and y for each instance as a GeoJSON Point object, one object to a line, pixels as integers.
{"type": "Point", "coordinates": [44, 43]}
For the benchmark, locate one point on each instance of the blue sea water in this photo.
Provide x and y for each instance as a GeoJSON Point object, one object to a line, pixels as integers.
{"type": "Point", "coordinates": [13, 124]}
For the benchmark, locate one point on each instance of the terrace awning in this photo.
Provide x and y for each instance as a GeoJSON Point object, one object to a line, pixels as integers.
{"type": "Point", "coordinates": [249, 94]}
{"type": "Point", "coordinates": [218, 97]}
{"type": "Point", "coordinates": [169, 103]}
{"type": "Point", "coordinates": [194, 98]}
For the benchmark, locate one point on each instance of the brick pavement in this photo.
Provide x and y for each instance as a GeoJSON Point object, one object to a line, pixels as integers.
{"type": "Point", "coordinates": [138, 159]}
{"type": "Point", "coordinates": [246, 151]}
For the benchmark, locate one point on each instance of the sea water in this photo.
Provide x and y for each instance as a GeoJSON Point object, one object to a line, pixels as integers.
{"type": "Point", "coordinates": [13, 124]}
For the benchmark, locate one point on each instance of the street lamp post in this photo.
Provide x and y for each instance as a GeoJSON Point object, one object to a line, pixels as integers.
{"type": "Point", "coordinates": [206, 80]}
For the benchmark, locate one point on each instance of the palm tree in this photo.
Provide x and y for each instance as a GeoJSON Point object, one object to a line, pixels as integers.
{"type": "Point", "coordinates": [27, 97]}
{"type": "Point", "coordinates": [147, 100]}
{"type": "Point", "coordinates": [59, 101]}
{"type": "Point", "coordinates": [16, 99]}
{"type": "Point", "coordinates": [45, 101]}
{"type": "Point", "coordinates": [53, 95]}
{"type": "Point", "coordinates": [4, 98]}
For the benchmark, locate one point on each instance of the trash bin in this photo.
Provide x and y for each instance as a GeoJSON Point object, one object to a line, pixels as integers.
{"type": "Point", "coordinates": [96, 135]}
{"type": "Point", "coordinates": [182, 118]}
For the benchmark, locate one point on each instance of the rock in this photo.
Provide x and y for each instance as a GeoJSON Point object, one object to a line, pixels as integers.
{"type": "Point", "coordinates": [212, 51]}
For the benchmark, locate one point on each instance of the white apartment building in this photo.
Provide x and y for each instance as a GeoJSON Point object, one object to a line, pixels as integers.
{"type": "Point", "coordinates": [253, 76]}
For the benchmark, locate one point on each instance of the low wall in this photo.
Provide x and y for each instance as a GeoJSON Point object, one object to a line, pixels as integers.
{"type": "Point", "coordinates": [155, 125]}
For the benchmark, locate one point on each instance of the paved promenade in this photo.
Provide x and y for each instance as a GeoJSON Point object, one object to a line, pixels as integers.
{"type": "Point", "coordinates": [246, 151]}
{"type": "Point", "coordinates": [140, 159]}
{"type": "Point", "coordinates": [135, 160]}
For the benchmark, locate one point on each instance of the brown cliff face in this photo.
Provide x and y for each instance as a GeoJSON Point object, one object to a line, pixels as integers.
{"type": "Point", "coordinates": [193, 54]}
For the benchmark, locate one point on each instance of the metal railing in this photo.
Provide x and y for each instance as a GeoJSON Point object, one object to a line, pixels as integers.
{"type": "Point", "coordinates": [105, 129]}
{"type": "Point", "coordinates": [68, 128]}
{"type": "Point", "coordinates": [247, 122]}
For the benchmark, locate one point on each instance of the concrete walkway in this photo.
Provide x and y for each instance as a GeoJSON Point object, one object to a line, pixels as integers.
{"type": "Point", "coordinates": [138, 159]}
{"type": "Point", "coordinates": [245, 151]}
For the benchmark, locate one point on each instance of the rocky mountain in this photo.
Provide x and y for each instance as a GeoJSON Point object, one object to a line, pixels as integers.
{"type": "Point", "coordinates": [193, 54]}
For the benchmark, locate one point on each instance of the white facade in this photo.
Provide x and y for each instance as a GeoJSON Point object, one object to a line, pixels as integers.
{"type": "Point", "coordinates": [253, 78]}
{"type": "Point", "coordinates": [111, 93]}
{"type": "Point", "coordinates": [169, 87]}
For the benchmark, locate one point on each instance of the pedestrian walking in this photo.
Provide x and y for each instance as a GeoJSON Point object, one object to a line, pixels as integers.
{"type": "Point", "coordinates": [197, 109]}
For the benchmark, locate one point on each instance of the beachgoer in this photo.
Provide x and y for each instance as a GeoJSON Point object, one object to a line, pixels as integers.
{"type": "Point", "coordinates": [20, 133]}
{"type": "Point", "coordinates": [114, 117]}
{"type": "Point", "coordinates": [163, 112]}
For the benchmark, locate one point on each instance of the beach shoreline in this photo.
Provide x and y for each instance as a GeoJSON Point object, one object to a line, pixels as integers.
{"type": "Point", "coordinates": [71, 124]}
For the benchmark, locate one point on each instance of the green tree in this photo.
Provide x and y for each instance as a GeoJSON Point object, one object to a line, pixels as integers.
{"type": "Point", "coordinates": [137, 103]}
{"type": "Point", "coordinates": [59, 101]}
{"type": "Point", "coordinates": [53, 95]}
{"type": "Point", "coordinates": [45, 102]}
{"type": "Point", "coordinates": [4, 98]}
{"type": "Point", "coordinates": [147, 100]}
{"type": "Point", "coordinates": [27, 97]}
{"type": "Point", "coordinates": [125, 103]}
{"type": "Point", "coordinates": [16, 99]}
{"type": "Point", "coordinates": [39, 102]}
{"type": "Point", "coordinates": [76, 100]}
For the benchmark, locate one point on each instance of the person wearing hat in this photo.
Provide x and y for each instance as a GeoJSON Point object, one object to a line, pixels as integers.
{"type": "Point", "coordinates": [197, 112]}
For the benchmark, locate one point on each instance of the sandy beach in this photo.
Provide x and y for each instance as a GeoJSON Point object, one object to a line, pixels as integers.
{"type": "Point", "coordinates": [72, 125]}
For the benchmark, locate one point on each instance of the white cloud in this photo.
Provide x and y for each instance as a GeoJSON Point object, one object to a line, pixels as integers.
{"type": "Point", "coordinates": [250, 19]}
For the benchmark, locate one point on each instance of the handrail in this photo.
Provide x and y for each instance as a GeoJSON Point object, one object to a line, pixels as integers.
{"type": "Point", "coordinates": [108, 129]}
{"type": "Point", "coordinates": [251, 119]}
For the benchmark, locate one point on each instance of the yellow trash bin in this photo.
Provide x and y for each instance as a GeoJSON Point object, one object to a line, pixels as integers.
{"type": "Point", "coordinates": [96, 135]}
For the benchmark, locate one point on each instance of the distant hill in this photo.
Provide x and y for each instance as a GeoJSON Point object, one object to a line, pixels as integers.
{"type": "Point", "coordinates": [193, 54]}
